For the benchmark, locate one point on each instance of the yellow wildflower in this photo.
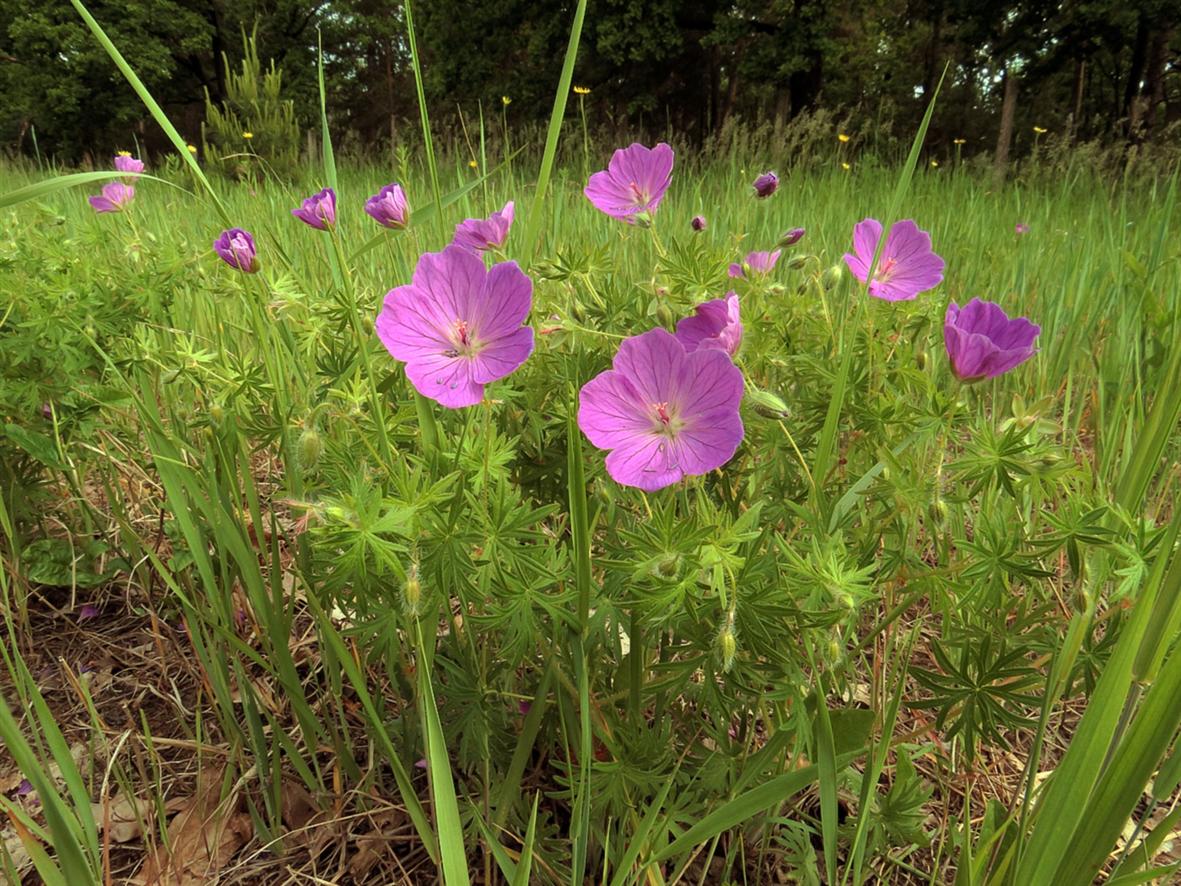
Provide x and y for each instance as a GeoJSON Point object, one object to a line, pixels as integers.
{"type": "Point", "coordinates": [582, 90]}
{"type": "Point", "coordinates": [473, 164]}
{"type": "Point", "coordinates": [846, 167]}
{"type": "Point", "coordinates": [505, 100]}
{"type": "Point", "coordinates": [1039, 130]}
{"type": "Point", "coordinates": [247, 135]}
{"type": "Point", "coordinates": [843, 138]}
{"type": "Point", "coordinates": [192, 149]}
{"type": "Point", "coordinates": [123, 153]}
{"type": "Point", "coordinates": [934, 164]}
{"type": "Point", "coordinates": [960, 141]}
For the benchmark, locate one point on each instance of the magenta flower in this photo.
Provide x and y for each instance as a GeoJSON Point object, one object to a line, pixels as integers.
{"type": "Point", "coordinates": [755, 263]}
{"type": "Point", "coordinates": [479, 234]}
{"type": "Point", "coordinates": [115, 196]}
{"type": "Point", "coordinates": [389, 207]}
{"type": "Point", "coordinates": [982, 342]}
{"type": "Point", "coordinates": [906, 267]}
{"type": "Point", "coordinates": [318, 210]}
{"type": "Point", "coordinates": [714, 325]}
{"type": "Point", "coordinates": [634, 182]}
{"type": "Point", "coordinates": [124, 162]}
{"type": "Point", "coordinates": [236, 248]}
{"type": "Point", "coordinates": [766, 184]}
{"type": "Point", "coordinates": [1021, 228]}
{"type": "Point", "coordinates": [87, 612]}
{"type": "Point", "coordinates": [24, 788]}
{"type": "Point", "coordinates": [664, 413]}
{"type": "Point", "coordinates": [792, 237]}
{"type": "Point", "coordinates": [697, 223]}
{"type": "Point", "coordinates": [457, 325]}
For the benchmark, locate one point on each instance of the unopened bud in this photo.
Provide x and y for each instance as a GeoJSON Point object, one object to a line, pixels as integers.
{"type": "Point", "coordinates": [308, 448]}
{"type": "Point", "coordinates": [217, 413]}
{"type": "Point", "coordinates": [698, 223]}
{"type": "Point", "coordinates": [937, 512]}
{"type": "Point", "coordinates": [668, 566]}
{"type": "Point", "coordinates": [835, 650]}
{"type": "Point", "coordinates": [792, 237]}
{"type": "Point", "coordinates": [412, 592]}
{"type": "Point", "coordinates": [797, 263]}
{"type": "Point", "coordinates": [1082, 600]}
{"type": "Point", "coordinates": [727, 647]}
{"type": "Point", "coordinates": [642, 219]}
{"type": "Point", "coordinates": [664, 314]}
{"type": "Point", "coordinates": [767, 404]}
{"type": "Point", "coordinates": [831, 277]}
{"type": "Point", "coordinates": [921, 360]}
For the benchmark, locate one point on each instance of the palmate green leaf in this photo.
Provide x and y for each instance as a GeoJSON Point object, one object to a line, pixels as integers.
{"type": "Point", "coordinates": [41, 189]}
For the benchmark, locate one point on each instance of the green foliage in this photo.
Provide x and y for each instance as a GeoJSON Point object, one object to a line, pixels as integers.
{"type": "Point", "coordinates": [253, 131]}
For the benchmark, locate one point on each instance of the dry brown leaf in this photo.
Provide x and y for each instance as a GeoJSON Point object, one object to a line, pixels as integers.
{"type": "Point", "coordinates": [15, 847]}
{"type": "Point", "coordinates": [122, 816]}
{"type": "Point", "coordinates": [202, 839]}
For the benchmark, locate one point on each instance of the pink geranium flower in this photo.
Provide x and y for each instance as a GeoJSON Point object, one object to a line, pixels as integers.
{"type": "Point", "coordinates": [982, 342]}
{"type": "Point", "coordinates": [906, 267]}
{"type": "Point", "coordinates": [755, 263]}
{"type": "Point", "coordinates": [115, 196]}
{"type": "Point", "coordinates": [714, 325]}
{"type": "Point", "coordinates": [124, 162]}
{"type": "Point", "coordinates": [663, 412]}
{"type": "Point", "coordinates": [634, 182]}
{"type": "Point", "coordinates": [457, 325]}
{"type": "Point", "coordinates": [388, 207]}
{"type": "Point", "coordinates": [318, 210]}
{"type": "Point", "coordinates": [479, 234]}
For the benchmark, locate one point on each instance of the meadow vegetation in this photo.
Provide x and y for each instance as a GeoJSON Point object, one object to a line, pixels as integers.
{"type": "Point", "coordinates": [272, 615]}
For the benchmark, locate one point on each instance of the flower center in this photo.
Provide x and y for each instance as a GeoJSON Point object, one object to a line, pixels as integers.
{"type": "Point", "coordinates": [464, 344]}
{"type": "Point", "coordinates": [665, 422]}
{"type": "Point", "coordinates": [639, 197]}
{"type": "Point", "coordinates": [885, 270]}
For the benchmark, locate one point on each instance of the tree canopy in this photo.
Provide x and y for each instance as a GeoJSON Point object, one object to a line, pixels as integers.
{"type": "Point", "coordinates": [1089, 68]}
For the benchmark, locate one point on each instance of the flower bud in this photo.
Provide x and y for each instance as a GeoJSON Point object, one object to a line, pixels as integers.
{"type": "Point", "coordinates": [308, 448]}
{"type": "Point", "coordinates": [937, 512]}
{"type": "Point", "coordinates": [642, 219]}
{"type": "Point", "coordinates": [845, 600]}
{"type": "Point", "coordinates": [834, 650]}
{"type": "Point", "coordinates": [798, 262]}
{"type": "Point", "coordinates": [412, 592]}
{"type": "Point", "coordinates": [667, 566]}
{"type": "Point", "coordinates": [1082, 600]}
{"type": "Point", "coordinates": [727, 646]}
{"type": "Point", "coordinates": [792, 237]}
{"type": "Point", "coordinates": [698, 223]}
{"type": "Point", "coordinates": [767, 404]}
{"type": "Point", "coordinates": [664, 314]}
{"type": "Point", "coordinates": [830, 278]}
{"type": "Point", "coordinates": [921, 359]}
{"type": "Point", "coordinates": [766, 184]}
{"type": "Point", "coordinates": [217, 413]}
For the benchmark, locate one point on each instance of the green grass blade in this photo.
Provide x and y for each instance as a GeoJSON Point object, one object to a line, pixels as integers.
{"type": "Point", "coordinates": [423, 115]}
{"type": "Point", "coordinates": [450, 828]}
{"type": "Point", "coordinates": [41, 189]}
{"type": "Point", "coordinates": [525, 865]}
{"type": "Point", "coordinates": [553, 132]}
{"type": "Point", "coordinates": [826, 767]}
{"type": "Point", "coordinates": [154, 109]}
{"type": "Point", "coordinates": [326, 152]}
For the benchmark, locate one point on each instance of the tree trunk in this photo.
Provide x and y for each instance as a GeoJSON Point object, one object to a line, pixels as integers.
{"type": "Point", "coordinates": [1135, 75]}
{"type": "Point", "coordinates": [1152, 96]}
{"type": "Point", "coordinates": [389, 88]}
{"type": "Point", "coordinates": [1004, 138]}
{"type": "Point", "coordinates": [1080, 81]}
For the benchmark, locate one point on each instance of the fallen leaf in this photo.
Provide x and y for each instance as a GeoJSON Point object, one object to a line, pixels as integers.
{"type": "Point", "coordinates": [202, 839]}
{"type": "Point", "coordinates": [123, 816]}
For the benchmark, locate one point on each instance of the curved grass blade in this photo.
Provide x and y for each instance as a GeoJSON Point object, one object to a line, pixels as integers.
{"type": "Point", "coordinates": [41, 189]}
{"type": "Point", "coordinates": [156, 111]}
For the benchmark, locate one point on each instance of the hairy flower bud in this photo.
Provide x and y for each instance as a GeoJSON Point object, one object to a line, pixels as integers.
{"type": "Point", "coordinates": [727, 646]}
{"type": "Point", "coordinates": [767, 404]}
{"type": "Point", "coordinates": [921, 360]}
{"type": "Point", "coordinates": [412, 592]}
{"type": "Point", "coordinates": [308, 448]}
{"type": "Point", "coordinates": [797, 263]}
{"type": "Point", "coordinates": [667, 566]}
{"type": "Point", "coordinates": [830, 278]}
